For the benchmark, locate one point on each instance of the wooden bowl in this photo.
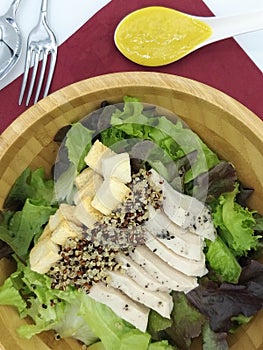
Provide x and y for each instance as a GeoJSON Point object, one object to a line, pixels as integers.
{"type": "Point", "coordinates": [228, 127]}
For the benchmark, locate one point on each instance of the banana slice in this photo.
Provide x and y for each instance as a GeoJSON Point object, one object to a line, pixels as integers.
{"type": "Point", "coordinates": [86, 213]}
{"type": "Point", "coordinates": [95, 155]}
{"type": "Point", "coordinates": [88, 189]}
{"type": "Point", "coordinates": [83, 177]}
{"type": "Point", "coordinates": [46, 233]}
{"type": "Point", "coordinates": [110, 194]}
{"type": "Point", "coordinates": [43, 255]}
{"type": "Point", "coordinates": [66, 229]}
{"type": "Point", "coordinates": [117, 166]}
{"type": "Point", "coordinates": [64, 224]}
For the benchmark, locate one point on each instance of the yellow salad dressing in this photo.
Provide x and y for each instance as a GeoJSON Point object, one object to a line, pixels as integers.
{"type": "Point", "coordinates": [156, 35]}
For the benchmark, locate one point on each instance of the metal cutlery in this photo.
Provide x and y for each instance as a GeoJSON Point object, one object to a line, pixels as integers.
{"type": "Point", "coordinates": [10, 40]}
{"type": "Point", "coordinates": [41, 45]}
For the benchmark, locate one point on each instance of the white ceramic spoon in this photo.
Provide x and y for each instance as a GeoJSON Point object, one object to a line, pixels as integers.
{"type": "Point", "coordinates": [157, 17]}
{"type": "Point", "coordinates": [229, 26]}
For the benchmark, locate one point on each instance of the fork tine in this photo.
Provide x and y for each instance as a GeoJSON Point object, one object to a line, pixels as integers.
{"type": "Point", "coordinates": [41, 77]}
{"type": "Point", "coordinates": [27, 66]}
{"type": "Point", "coordinates": [35, 60]}
{"type": "Point", "coordinates": [53, 59]}
{"type": "Point", "coordinates": [40, 43]}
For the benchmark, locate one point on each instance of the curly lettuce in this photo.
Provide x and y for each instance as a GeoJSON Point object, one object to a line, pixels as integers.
{"type": "Point", "coordinates": [34, 196]}
{"type": "Point", "coordinates": [222, 261]}
{"type": "Point", "coordinates": [49, 308]}
{"type": "Point", "coordinates": [236, 224]}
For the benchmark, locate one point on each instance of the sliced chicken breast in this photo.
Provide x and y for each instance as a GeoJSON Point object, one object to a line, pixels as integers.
{"type": "Point", "coordinates": [185, 211]}
{"type": "Point", "coordinates": [132, 312]}
{"type": "Point", "coordinates": [187, 266]}
{"type": "Point", "coordinates": [159, 301]}
{"type": "Point", "coordinates": [161, 271]}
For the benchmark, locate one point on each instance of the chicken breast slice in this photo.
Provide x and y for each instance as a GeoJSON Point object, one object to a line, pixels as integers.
{"type": "Point", "coordinates": [185, 211]}
{"type": "Point", "coordinates": [182, 242]}
{"type": "Point", "coordinates": [161, 271]}
{"type": "Point", "coordinates": [139, 275]}
{"type": "Point", "coordinates": [132, 312]}
{"type": "Point", "coordinates": [159, 301]}
{"type": "Point", "coordinates": [187, 266]}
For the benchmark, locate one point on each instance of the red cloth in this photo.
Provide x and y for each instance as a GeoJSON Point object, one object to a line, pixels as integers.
{"type": "Point", "coordinates": [91, 52]}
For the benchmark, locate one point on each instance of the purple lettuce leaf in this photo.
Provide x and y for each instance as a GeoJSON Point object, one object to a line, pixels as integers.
{"type": "Point", "coordinates": [210, 185]}
{"type": "Point", "coordinates": [187, 322]}
{"type": "Point", "coordinates": [213, 340]}
{"type": "Point", "coordinates": [221, 302]}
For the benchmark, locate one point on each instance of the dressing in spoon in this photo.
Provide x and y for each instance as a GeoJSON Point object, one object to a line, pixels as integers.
{"type": "Point", "coordinates": [10, 40]}
{"type": "Point", "coordinates": [156, 35]}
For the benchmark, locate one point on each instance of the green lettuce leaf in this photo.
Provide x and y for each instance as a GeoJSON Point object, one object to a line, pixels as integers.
{"type": "Point", "coordinates": [161, 345]}
{"type": "Point", "coordinates": [235, 223]}
{"type": "Point", "coordinates": [65, 185]}
{"type": "Point", "coordinates": [188, 142]}
{"type": "Point", "coordinates": [112, 136]}
{"type": "Point", "coordinates": [114, 332]}
{"type": "Point", "coordinates": [128, 98]}
{"type": "Point", "coordinates": [187, 323]}
{"type": "Point", "coordinates": [97, 346]}
{"type": "Point", "coordinates": [73, 151]}
{"type": "Point", "coordinates": [49, 308]}
{"type": "Point", "coordinates": [78, 143]}
{"type": "Point", "coordinates": [239, 321]}
{"type": "Point", "coordinates": [222, 261]}
{"type": "Point", "coordinates": [23, 226]}
{"type": "Point", "coordinates": [157, 323]}
{"type": "Point", "coordinates": [9, 295]}
{"type": "Point", "coordinates": [33, 185]}
{"type": "Point", "coordinates": [32, 196]}
{"type": "Point", "coordinates": [171, 141]}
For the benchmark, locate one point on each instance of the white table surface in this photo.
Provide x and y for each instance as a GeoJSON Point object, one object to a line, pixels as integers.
{"type": "Point", "coordinates": [67, 16]}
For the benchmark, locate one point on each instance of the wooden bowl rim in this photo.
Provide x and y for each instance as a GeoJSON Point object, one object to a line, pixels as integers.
{"type": "Point", "coordinates": [129, 79]}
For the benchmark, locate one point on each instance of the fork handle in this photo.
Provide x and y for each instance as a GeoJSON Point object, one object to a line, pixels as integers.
{"type": "Point", "coordinates": [44, 6]}
{"type": "Point", "coordinates": [13, 8]}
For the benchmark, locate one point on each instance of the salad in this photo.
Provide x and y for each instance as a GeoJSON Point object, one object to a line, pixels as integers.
{"type": "Point", "coordinates": [141, 239]}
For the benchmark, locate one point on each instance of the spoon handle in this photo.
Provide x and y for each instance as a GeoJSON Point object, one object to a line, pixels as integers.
{"type": "Point", "coordinates": [226, 27]}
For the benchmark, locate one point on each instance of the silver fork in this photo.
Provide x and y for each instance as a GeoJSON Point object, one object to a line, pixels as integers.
{"type": "Point", "coordinates": [41, 43]}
